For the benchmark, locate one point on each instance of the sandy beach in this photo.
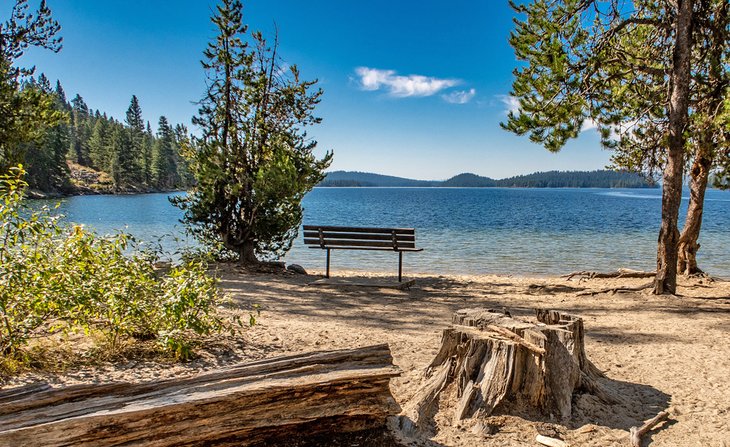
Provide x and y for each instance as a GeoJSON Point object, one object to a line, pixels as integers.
{"type": "Point", "coordinates": [658, 352]}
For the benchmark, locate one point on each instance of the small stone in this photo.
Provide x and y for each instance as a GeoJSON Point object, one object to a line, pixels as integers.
{"type": "Point", "coordinates": [296, 268]}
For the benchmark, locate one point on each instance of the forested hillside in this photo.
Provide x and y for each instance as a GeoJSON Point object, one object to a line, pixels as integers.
{"type": "Point", "coordinates": [355, 178]}
{"type": "Point", "coordinates": [576, 179]}
{"type": "Point", "coordinates": [90, 151]}
{"type": "Point", "coordinates": [550, 179]}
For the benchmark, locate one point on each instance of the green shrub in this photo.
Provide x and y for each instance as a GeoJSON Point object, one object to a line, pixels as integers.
{"type": "Point", "coordinates": [56, 278]}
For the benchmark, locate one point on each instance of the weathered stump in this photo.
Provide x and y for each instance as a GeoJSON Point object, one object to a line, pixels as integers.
{"type": "Point", "coordinates": [499, 363]}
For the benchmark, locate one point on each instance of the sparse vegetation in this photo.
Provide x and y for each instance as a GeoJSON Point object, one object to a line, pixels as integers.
{"type": "Point", "coordinates": [60, 279]}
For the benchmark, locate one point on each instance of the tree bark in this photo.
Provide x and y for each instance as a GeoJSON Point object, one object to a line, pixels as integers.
{"type": "Point", "coordinates": [666, 277]}
{"type": "Point", "coordinates": [497, 363]}
{"type": "Point", "coordinates": [249, 404]}
{"type": "Point", "coordinates": [247, 254]}
{"type": "Point", "coordinates": [688, 240]}
{"type": "Point", "coordinates": [710, 135]}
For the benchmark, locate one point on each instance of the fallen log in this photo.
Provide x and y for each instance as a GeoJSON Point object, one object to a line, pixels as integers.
{"type": "Point", "coordinates": [248, 404]}
{"type": "Point", "coordinates": [499, 363]}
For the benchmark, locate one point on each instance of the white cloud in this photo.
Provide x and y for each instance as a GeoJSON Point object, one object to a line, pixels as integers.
{"type": "Point", "coordinates": [588, 124]}
{"type": "Point", "coordinates": [459, 96]}
{"type": "Point", "coordinates": [511, 102]}
{"type": "Point", "coordinates": [402, 86]}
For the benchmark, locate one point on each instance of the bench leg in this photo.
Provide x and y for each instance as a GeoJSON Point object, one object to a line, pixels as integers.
{"type": "Point", "coordinates": [400, 266]}
{"type": "Point", "coordinates": [327, 275]}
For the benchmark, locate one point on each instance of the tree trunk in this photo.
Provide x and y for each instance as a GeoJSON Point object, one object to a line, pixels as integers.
{"type": "Point", "coordinates": [289, 397]}
{"type": "Point", "coordinates": [666, 272]}
{"type": "Point", "coordinates": [510, 366]}
{"type": "Point", "coordinates": [688, 240]}
{"type": "Point", "coordinates": [710, 135]}
{"type": "Point", "coordinates": [247, 254]}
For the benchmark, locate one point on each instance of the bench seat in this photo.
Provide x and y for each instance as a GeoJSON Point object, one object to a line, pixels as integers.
{"type": "Point", "coordinates": [328, 237]}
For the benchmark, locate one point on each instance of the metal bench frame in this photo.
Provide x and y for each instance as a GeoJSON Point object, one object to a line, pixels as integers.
{"type": "Point", "coordinates": [328, 237]}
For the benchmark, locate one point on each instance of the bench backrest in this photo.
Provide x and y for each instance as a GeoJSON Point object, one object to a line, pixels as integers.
{"type": "Point", "coordinates": [376, 238]}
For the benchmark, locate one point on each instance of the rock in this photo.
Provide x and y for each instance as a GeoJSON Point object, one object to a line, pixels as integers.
{"type": "Point", "coordinates": [296, 268]}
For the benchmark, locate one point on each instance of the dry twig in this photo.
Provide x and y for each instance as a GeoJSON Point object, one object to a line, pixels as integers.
{"type": "Point", "coordinates": [638, 432]}
{"type": "Point", "coordinates": [620, 289]}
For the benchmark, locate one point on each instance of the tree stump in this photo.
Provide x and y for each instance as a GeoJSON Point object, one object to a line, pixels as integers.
{"type": "Point", "coordinates": [500, 363]}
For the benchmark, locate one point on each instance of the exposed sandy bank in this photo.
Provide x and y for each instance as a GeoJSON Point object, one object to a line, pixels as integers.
{"type": "Point", "coordinates": [658, 352]}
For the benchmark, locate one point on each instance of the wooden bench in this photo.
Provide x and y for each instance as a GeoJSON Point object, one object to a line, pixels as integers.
{"type": "Point", "coordinates": [356, 238]}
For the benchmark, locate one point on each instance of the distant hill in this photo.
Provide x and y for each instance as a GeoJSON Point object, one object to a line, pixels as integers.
{"type": "Point", "coordinates": [355, 178]}
{"type": "Point", "coordinates": [550, 179]}
{"type": "Point", "coordinates": [468, 180]}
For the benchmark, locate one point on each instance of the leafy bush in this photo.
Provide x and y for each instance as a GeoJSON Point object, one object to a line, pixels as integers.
{"type": "Point", "coordinates": [68, 279]}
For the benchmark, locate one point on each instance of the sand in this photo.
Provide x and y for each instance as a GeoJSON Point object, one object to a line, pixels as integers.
{"type": "Point", "coordinates": [658, 352]}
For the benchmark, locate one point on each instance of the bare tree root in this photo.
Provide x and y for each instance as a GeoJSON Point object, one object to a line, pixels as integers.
{"type": "Point", "coordinates": [638, 432]}
{"type": "Point", "coordinates": [613, 290]}
{"type": "Point", "coordinates": [620, 273]}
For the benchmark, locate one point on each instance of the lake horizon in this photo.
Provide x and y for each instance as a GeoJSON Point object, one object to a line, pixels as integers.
{"type": "Point", "coordinates": [495, 230]}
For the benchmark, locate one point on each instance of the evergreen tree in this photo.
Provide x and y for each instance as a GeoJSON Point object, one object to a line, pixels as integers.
{"type": "Point", "coordinates": [163, 166]}
{"type": "Point", "coordinates": [122, 159]}
{"type": "Point", "coordinates": [136, 138]}
{"type": "Point", "coordinates": [253, 162]}
{"type": "Point", "coordinates": [61, 96]}
{"type": "Point", "coordinates": [183, 152]}
{"type": "Point", "coordinates": [709, 134]}
{"type": "Point", "coordinates": [45, 158]}
{"type": "Point", "coordinates": [100, 145]}
{"type": "Point", "coordinates": [24, 112]}
{"type": "Point", "coordinates": [80, 131]}
{"type": "Point", "coordinates": [607, 62]}
{"type": "Point", "coordinates": [148, 143]}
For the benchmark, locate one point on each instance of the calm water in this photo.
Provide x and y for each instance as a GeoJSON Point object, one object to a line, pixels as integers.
{"type": "Point", "coordinates": [490, 230]}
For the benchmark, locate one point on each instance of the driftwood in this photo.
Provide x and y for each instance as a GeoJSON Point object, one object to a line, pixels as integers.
{"type": "Point", "coordinates": [550, 442]}
{"type": "Point", "coordinates": [620, 289]}
{"type": "Point", "coordinates": [637, 432]}
{"type": "Point", "coordinates": [620, 273]}
{"type": "Point", "coordinates": [525, 366]}
{"type": "Point", "coordinates": [249, 404]}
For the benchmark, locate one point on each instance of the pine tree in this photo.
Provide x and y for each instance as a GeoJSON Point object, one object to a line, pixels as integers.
{"type": "Point", "coordinates": [99, 145]}
{"type": "Point", "coordinates": [135, 150]}
{"type": "Point", "coordinates": [183, 150]}
{"type": "Point", "coordinates": [61, 96]}
{"type": "Point", "coordinates": [601, 61]}
{"type": "Point", "coordinates": [45, 158]}
{"type": "Point", "coordinates": [121, 157]}
{"type": "Point", "coordinates": [148, 142]}
{"type": "Point", "coordinates": [709, 133]}
{"type": "Point", "coordinates": [80, 131]}
{"type": "Point", "coordinates": [253, 162]}
{"type": "Point", "coordinates": [163, 166]}
{"type": "Point", "coordinates": [24, 112]}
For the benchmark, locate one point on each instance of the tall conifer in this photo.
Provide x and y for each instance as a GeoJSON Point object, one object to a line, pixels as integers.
{"type": "Point", "coordinates": [253, 162]}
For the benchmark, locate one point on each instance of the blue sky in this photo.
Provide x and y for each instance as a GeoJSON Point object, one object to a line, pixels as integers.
{"type": "Point", "coordinates": [412, 88]}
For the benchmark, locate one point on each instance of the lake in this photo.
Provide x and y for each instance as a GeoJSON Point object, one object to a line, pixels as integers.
{"type": "Point", "coordinates": [462, 230]}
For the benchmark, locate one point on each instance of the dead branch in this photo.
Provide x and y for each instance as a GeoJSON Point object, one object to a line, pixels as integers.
{"type": "Point", "coordinates": [516, 338]}
{"type": "Point", "coordinates": [638, 432]}
{"type": "Point", "coordinates": [550, 442]}
{"type": "Point", "coordinates": [613, 290]}
{"type": "Point", "coordinates": [620, 273]}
